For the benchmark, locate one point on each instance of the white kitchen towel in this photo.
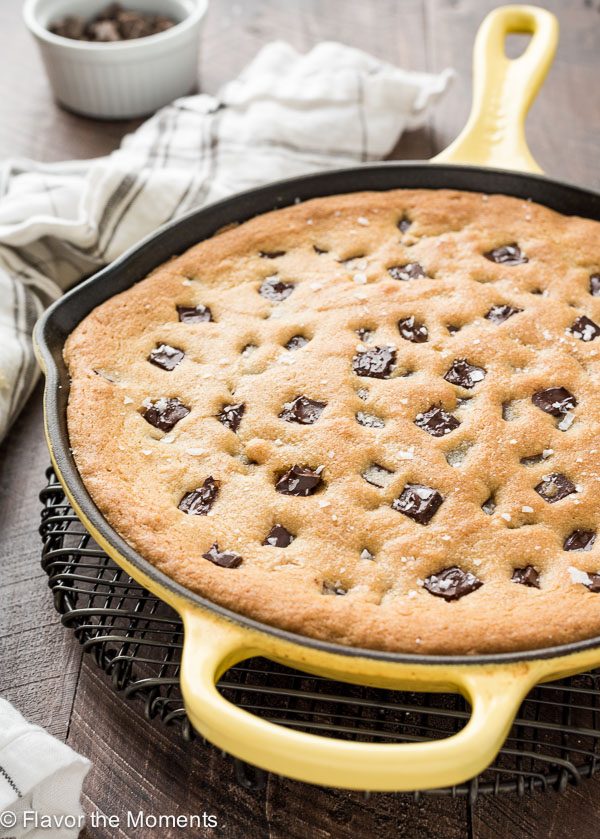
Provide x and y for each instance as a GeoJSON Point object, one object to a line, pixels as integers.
{"type": "Point", "coordinates": [286, 114]}
{"type": "Point", "coordinates": [40, 781]}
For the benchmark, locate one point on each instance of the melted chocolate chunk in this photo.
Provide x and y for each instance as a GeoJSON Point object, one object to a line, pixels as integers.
{"type": "Point", "coordinates": [296, 342]}
{"type": "Point", "coordinates": [278, 537]}
{"type": "Point", "coordinates": [453, 328]}
{"type": "Point", "coordinates": [376, 363]}
{"type": "Point", "coordinates": [464, 374]}
{"type": "Point", "coordinates": [194, 314]}
{"type": "Point", "coordinates": [585, 329]}
{"type": "Point", "coordinates": [404, 224]}
{"type": "Point", "coordinates": [436, 421]}
{"type": "Point", "coordinates": [369, 420]}
{"type": "Point", "coordinates": [452, 583]}
{"type": "Point", "coordinates": [580, 540]}
{"type": "Point", "coordinates": [412, 330]}
{"type": "Point", "coordinates": [165, 413]}
{"type": "Point", "coordinates": [408, 271]}
{"type": "Point", "coordinates": [199, 501]}
{"type": "Point", "coordinates": [302, 410]}
{"type": "Point", "coordinates": [498, 314]}
{"type": "Point", "coordinates": [507, 255]}
{"type": "Point", "coordinates": [554, 400]}
{"type": "Point", "coordinates": [275, 289]}
{"type": "Point", "coordinates": [418, 502]}
{"type": "Point", "coordinates": [224, 559]}
{"type": "Point", "coordinates": [526, 576]}
{"type": "Point", "coordinates": [166, 357]}
{"type": "Point", "coordinates": [594, 582]}
{"type": "Point", "coordinates": [300, 480]}
{"type": "Point", "coordinates": [555, 487]}
{"type": "Point", "coordinates": [231, 415]}
{"type": "Point", "coordinates": [271, 254]}
{"type": "Point", "coordinates": [595, 285]}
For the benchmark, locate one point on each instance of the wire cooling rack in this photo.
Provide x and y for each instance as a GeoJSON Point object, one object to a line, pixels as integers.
{"type": "Point", "coordinates": [137, 640]}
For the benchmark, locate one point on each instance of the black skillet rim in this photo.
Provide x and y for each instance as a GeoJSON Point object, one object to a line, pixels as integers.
{"type": "Point", "coordinates": [59, 320]}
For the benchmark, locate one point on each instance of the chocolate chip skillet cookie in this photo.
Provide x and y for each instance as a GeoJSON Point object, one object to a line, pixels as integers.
{"type": "Point", "coordinates": [372, 419]}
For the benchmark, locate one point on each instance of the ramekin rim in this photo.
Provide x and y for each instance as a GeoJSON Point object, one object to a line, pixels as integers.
{"type": "Point", "coordinates": [36, 28]}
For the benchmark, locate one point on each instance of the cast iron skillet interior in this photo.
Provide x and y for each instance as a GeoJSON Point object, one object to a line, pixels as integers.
{"type": "Point", "coordinates": [61, 318]}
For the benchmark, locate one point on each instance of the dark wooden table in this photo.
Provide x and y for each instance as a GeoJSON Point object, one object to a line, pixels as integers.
{"type": "Point", "coordinates": [143, 765]}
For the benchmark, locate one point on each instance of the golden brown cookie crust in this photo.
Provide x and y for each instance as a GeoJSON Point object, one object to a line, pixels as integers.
{"type": "Point", "coordinates": [138, 474]}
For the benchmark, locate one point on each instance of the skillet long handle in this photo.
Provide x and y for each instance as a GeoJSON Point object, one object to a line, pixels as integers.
{"type": "Point", "coordinates": [212, 645]}
{"type": "Point", "coordinates": [503, 90]}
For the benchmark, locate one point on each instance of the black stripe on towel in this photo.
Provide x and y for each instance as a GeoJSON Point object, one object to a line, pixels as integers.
{"type": "Point", "coordinates": [10, 781]}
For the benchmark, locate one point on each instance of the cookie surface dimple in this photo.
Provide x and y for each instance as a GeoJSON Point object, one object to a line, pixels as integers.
{"type": "Point", "coordinates": [194, 314]}
{"type": "Point", "coordinates": [275, 290]}
{"type": "Point", "coordinates": [296, 342]}
{"type": "Point", "coordinates": [501, 312]}
{"type": "Point", "coordinates": [408, 271]}
{"type": "Point", "coordinates": [369, 420]}
{"type": "Point", "coordinates": [507, 255]}
{"type": "Point", "coordinates": [527, 576]}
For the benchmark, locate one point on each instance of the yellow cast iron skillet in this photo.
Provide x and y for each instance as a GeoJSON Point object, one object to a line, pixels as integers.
{"type": "Point", "coordinates": [216, 638]}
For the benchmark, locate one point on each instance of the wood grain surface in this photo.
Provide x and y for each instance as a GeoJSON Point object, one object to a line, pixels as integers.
{"type": "Point", "coordinates": [144, 765]}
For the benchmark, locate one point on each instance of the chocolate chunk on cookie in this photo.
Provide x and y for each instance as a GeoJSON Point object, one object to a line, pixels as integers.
{"type": "Point", "coordinates": [452, 583]}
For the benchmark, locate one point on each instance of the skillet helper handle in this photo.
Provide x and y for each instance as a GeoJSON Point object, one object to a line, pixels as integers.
{"type": "Point", "coordinates": [212, 645]}
{"type": "Point", "coordinates": [503, 90]}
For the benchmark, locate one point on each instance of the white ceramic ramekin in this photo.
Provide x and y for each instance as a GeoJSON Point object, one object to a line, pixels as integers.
{"type": "Point", "coordinates": [122, 79]}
